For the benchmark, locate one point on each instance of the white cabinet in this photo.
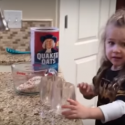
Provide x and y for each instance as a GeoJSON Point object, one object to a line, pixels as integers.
{"type": "Point", "coordinates": [80, 21]}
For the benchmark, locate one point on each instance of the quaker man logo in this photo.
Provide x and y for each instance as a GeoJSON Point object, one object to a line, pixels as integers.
{"type": "Point", "coordinates": [49, 53]}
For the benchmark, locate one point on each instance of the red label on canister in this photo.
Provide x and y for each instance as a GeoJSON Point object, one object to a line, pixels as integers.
{"type": "Point", "coordinates": [45, 48]}
{"type": "Point", "coordinates": [21, 73]}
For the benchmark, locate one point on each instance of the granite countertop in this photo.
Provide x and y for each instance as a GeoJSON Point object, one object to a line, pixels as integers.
{"type": "Point", "coordinates": [8, 59]}
{"type": "Point", "coordinates": [23, 110]}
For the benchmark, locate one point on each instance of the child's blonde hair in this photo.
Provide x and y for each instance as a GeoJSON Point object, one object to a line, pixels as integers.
{"type": "Point", "coordinates": [118, 20]}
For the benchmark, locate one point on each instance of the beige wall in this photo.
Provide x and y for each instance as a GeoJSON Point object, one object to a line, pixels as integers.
{"type": "Point", "coordinates": [32, 9]}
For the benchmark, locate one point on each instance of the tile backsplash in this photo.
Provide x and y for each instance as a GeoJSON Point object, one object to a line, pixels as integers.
{"type": "Point", "coordinates": [19, 39]}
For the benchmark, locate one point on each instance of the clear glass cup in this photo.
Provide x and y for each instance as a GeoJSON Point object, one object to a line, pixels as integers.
{"type": "Point", "coordinates": [46, 89]}
{"type": "Point", "coordinates": [62, 91]}
{"type": "Point", "coordinates": [25, 79]}
{"type": "Point", "coordinates": [54, 93]}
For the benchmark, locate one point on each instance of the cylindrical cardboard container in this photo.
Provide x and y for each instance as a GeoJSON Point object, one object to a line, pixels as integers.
{"type": "Point", "coordinates": [44, 46]}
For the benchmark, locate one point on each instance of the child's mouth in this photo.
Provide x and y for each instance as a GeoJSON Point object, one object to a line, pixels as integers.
{"type": "Point", "coordinates": [116, 58]}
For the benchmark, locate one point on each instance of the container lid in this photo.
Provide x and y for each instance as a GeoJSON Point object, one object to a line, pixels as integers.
{"type": "Point", "coordinates": [44, 29]}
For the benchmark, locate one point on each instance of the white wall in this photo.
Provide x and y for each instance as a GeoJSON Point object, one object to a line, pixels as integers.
{"type": "Point", "coordinates": [32, 9]}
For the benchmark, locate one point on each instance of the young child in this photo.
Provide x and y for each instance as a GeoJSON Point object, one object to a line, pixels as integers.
{"type": "Point", "coordinates": [109, 83]}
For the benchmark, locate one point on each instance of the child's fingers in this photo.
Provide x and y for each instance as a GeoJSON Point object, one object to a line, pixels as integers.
{"type": "Point", "coordinates": [72, 116]}
{"type": "Point", "coordinates": [84, 86]}
{"type": "Point", "coordinates": [80, 85]}
{"type": "Point", "coordinates": [72, 102]}
{"type": "Point", "coordinates": [68, 107]}
{"type": "Point", "coordinates": [68, 113]}
{"type": "Point", "coordinates": [88, 88]}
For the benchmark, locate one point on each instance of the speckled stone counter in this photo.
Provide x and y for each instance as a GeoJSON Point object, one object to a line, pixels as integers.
{"type": "Point", "coordinates": [8, 59]}
{"type": "Point", "coordinates": [23, 110]}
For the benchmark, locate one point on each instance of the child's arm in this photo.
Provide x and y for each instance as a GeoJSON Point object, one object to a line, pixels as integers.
{"type": "Point", "coordinates": [104, 113]}
{"type": "Point", "coordinates": [113, 110]}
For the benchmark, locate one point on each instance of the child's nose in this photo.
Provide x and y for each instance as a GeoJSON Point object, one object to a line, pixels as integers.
{"type": "Point", "coordinates": [117, 49]}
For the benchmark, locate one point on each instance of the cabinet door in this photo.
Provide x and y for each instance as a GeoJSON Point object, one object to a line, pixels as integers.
{"type": "Point", "coordinates": [80, 23]}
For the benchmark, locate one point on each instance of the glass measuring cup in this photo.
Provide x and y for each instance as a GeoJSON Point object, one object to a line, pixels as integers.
{"type": "Point", "coordinates": [25, 79]}
{"type": "Point", "coordinates": [62, 91]}
{"type": "Point", "coordinates": [54, 92]}
{"type": "Point", "coordinates": [46, 89]}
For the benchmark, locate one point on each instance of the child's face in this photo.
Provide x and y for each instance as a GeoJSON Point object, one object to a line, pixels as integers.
{"type": "Point", "coordinates": [115, 45]}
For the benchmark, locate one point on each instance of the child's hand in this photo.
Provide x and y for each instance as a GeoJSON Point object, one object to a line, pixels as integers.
{"type": "Point", "coordinates": [75, 110]}
{"type": "Point", "coordinates": [86, 89]}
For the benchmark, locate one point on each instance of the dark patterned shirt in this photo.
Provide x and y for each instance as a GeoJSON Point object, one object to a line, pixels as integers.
{"type": "Point", "coordinates": [107, 94]}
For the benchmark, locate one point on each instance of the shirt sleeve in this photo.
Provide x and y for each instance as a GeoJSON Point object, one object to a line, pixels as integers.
{"type": "Point", "coordinates": [113, 110]}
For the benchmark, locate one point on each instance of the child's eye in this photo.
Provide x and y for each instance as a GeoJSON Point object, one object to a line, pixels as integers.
{"type": "Point", "coordinates": [111, 42]}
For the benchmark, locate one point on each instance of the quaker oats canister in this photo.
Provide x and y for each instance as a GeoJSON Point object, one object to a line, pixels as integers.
{"type": "Point", "coordinates": [44, 46]}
